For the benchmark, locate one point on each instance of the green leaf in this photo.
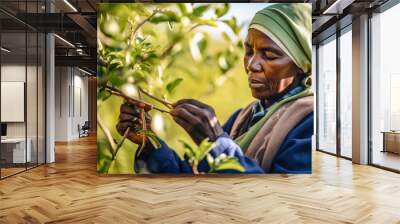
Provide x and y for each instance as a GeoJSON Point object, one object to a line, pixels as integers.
{"type": "Point", "coordinates": [173, 84]}
{"type": "Point", "coordinates": [240, 44]}
{"type": "Point", "coordinates": [184, 8]}
{"type": "Point", "coordinates": [223, 63]}
{"type": "Point", "coordinates": [202, 45]}
{"type": "Point", "coordinates": [153, 139]}
{"type": "Point", "coordinates": [210, 159]}
{"type": "Point", "coordinates": [189, 151]}
{"type": "Point", "coordinates": [171, 14]}
{"type": "Point", "coordinates": [140, 9]}
{"type": "Point", "coordinates": [200, 10]}
{"type": "Point", "coordinates": [229, 163]}
{"type": "Point", "coordinates": [103, 94]}
{"type": "Point", "coordinates": [232, 23]}
{"type": "Point", "coordinates": [208, 22]}
{"type": "Point", "coordinates": [167, 16]}
{"type": "Point", "coordinates": [226, 36]}
{"type": "Point", "coordinates": [101, 71]}
{"type": "Point", "coordinates": [204, 147]}
{"type": "Point", "coordinates": [222, 10]}
{"type": "Point", "coordinates": [160, 19]}
{"type": "Point", "coordinates": [115, 80]}
{"type": "Point", "coordinates": [151, 136]}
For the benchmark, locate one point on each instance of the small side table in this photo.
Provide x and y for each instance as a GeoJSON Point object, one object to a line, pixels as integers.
{"type": "Point", "coordinates": [391, 141]}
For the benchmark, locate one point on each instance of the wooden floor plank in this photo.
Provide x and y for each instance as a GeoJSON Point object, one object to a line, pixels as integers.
{"type": "Point", "coordinates": [70, 191]}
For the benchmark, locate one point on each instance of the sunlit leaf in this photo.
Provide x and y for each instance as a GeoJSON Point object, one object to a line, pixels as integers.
{"type": "Point", "coordinates": [225, 36]}
{"type": "Point", "coordinates": [200, 10]}
{"type": "Point", "coordinates": [232, 23]}
{"type": "Point", "coordinates": [116, 80]}
{"type": "Point", "coordinates": [111, 27]}
{"type": "Point", "coordinates": [240, 44]}
{"type": "Point", "coordinates": [173, 84]}
{"type": "Point", "coordinates": [189, 151]}
{"type": "Point", "coordinates": [171, 14]}
{"type": "Point", "coordinates": [227, 163]}
{"type": "Point", "coordinates": [194, 46]}
{"type": "Point", "coordinates": [222, 10]}
{"type": "Point", "coordinates": [223, 64]}
{"type": "Point", "coordinates": [167, 16]}
{"type": "Point", "coordinates": [103, 94]}
{"type": "Point", "coordinates": [204, 147]}
{"type": "Point", "coordinates": [208, 22]}
{"type": "Point", "coordinates": [202, 44]}
{"type": "Point", "coordinates": [185, 8]}
{"type": "Point", "coordinates": [160, 19]}
{"type": "Point", "coordinates": [154, 141]}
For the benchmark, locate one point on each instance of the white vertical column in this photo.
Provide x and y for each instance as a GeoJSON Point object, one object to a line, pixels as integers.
{"type": "Point", "coordinates": [50, 93]}
{"type": "Point", "coordinates": [360, 90]}
{"type": "Point", "coordinates": [314, 88]}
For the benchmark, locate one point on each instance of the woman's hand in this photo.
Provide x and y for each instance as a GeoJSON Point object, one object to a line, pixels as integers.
{"type": "Point", "coordinates": [130, 116]}
{"type": "Point", "coordinates": [198, 119]}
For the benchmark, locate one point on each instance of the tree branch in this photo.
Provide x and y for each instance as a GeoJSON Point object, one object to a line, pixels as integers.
{"type": "Point", "coordinates": [168, 50]}
{"type": "Point", "coordinates": [144, 131]}
{"type": "Point", "coordinates": [118, 92]}
{"type": "Point", "coordinates": [171, 46]}
{"type": "Point", "coordinates": [122, 142]}
{"type": "Point", "coordinates": [166, 103]}
{"type": "Point", "coordinates": [143, 118]}
{"type": "Point", "coordinates": [142, 23]}
{"type": "Point", "coordinates": [195, 26]}
{"type": "Point", "coordinates": [108, 135]}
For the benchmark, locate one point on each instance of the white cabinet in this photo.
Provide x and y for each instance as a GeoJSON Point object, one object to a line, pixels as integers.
{"type": "Point", "coordinates": [17, 146]}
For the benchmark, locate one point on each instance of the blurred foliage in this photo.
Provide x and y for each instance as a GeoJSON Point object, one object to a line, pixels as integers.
{"type": "Point", "coordinates": [195, 155]}
{"type": "Point", "coordinates": [224, 163]}
{"type": "Point", "coordinates": [162, 49]}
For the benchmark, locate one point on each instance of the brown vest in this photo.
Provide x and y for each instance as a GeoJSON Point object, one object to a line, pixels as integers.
{"type": "Point", "coordinates": [268, 140]}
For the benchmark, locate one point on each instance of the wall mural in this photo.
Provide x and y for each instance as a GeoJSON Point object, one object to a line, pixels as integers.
{"type": "Point", "coordinates": [197, 88]}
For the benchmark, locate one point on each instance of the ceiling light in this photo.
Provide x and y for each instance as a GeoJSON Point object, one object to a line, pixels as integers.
{"type": "Point", "coordinates": [84, 71]}
{"type": "Point", "coordinates": [5, 50]}
{"type": "Point", "coordinates": [337, 7]}
{"type": "Point", "coordinates": [65, 41]}
{"type": "Point", "coordinates": [70, 5]}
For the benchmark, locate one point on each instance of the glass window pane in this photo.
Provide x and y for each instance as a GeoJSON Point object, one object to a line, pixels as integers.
{"type": "Point", "coordinates": [23, 85]}
{"type": "Point", "coordinates": [327, 96]}
{"type": "Point", "coordinates": [14, 153]}
{"type": "Point", "coordinates": [31, 97]}
{"type": "Point", "coordinates": [385, 84]}
{"type": "Point", "coordinates": [41, 98]}
{"type": "Point", "coordinates": [346, 94]}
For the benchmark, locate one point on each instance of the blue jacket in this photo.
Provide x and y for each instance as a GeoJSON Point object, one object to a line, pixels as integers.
{"type": "Point", "coordinates": [294, 155]}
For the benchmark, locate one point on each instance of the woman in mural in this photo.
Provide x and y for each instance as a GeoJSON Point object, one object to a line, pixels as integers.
{"type": "Point", "coordinates": [272, 134]}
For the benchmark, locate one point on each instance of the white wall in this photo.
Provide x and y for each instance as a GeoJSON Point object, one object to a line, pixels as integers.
{"type": "Point", "coordinates": [71, 94]}
{"type": "Point", "coordinates": [16, 73]}
{"type": "Point", "coordinates": [61, 103]}
{"type": "Point", "coordinates": [33, 127]}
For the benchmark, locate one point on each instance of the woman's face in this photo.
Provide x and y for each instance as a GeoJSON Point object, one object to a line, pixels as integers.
{"type": "Point", "coordinates": [270, 70]}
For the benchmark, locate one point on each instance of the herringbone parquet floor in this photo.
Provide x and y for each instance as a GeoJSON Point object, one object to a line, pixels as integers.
{"type": "Point", "coordinates": [70, 191]}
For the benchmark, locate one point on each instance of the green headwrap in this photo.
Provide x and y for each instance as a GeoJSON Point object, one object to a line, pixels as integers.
{"type": "Point", "coordinates": [289, 26]}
